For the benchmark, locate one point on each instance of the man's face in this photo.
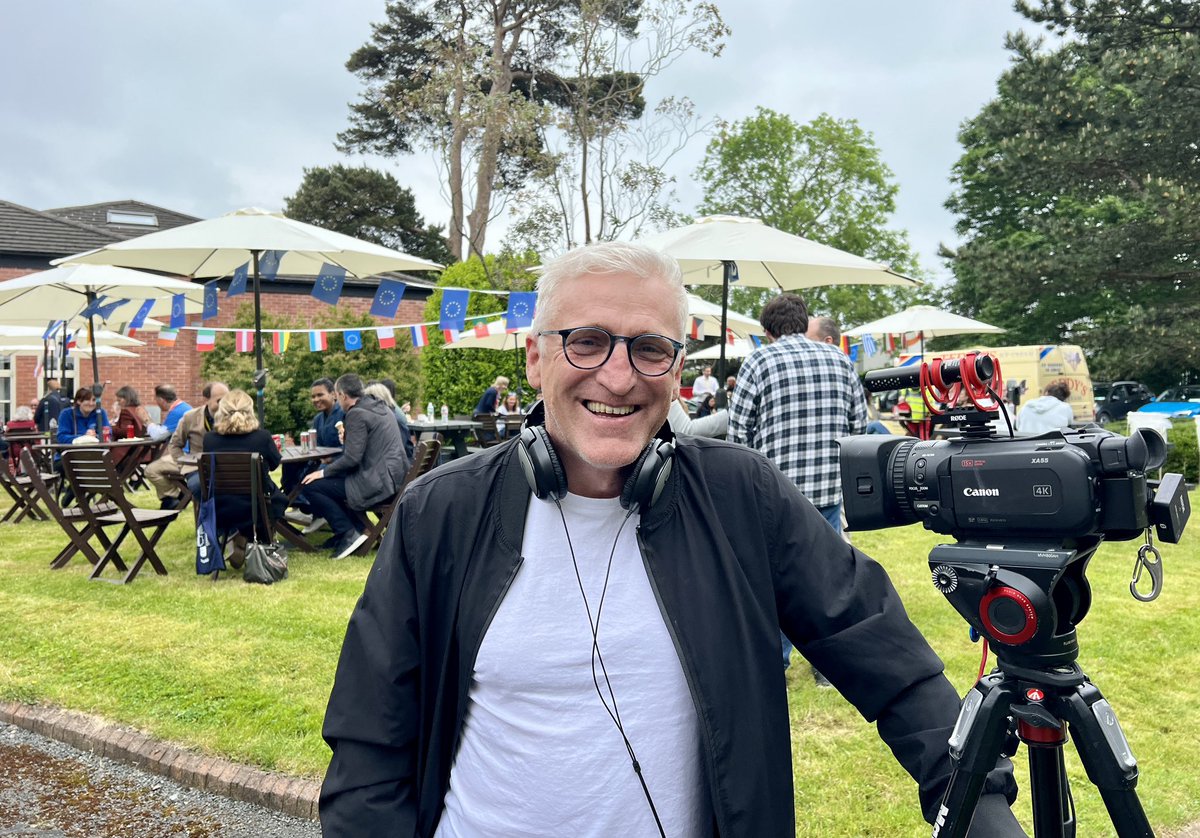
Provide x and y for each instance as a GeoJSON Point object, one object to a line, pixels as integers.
{"type": "Point", "coordinates": [729, 382]}
{"type": "Point", "coordinates": [322, 399]}
{"type": "Point", "coordinates": [215, 394]}
{"type": "Point", "coordinates": [707, 371]}
{"type": "Point", "coordinates": [345, 401]}
{"type": "Point", "coordinates": [601, 419]}
{"type": "Point", "coordinates": [162, 403]}
{"type": "Point", "coordinates": [53, 384]}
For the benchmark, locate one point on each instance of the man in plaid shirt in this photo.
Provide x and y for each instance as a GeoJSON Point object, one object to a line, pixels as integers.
{"type": "Point", "coordinates": [793, 399]}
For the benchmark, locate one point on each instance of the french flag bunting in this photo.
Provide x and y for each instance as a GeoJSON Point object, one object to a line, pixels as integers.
{"type": "Point", "coordinates": [697, 332]}
{"type": "Point", "coordinates": [279, 342]}
{"type": "Point", "coordinates": [206, 340]}
{"type": "Point", "coordinates": [244, 341]}
{"type": "Point", "coordinates": [167, 337]}
{"type": "Point", "coordinates": [387, 337]}
{"type": "Point", "coordinates": [317, 342]}
{"type": "Point", "coordinates": [71, 343]}
{"type": "Point", "coordinates": [420, 336]}
{"type": "Point", "coordinates": [450, 335]}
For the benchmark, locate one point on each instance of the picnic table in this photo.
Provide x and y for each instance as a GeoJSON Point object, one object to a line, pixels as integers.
{"type": "Point", "coordinates": [129, 462]}
{"type": "Point", "coordinates": [456, 431]}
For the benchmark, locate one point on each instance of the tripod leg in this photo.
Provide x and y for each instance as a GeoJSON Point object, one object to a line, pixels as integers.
{"type": "Point", "coordinates": [975, 745]}
{"type": "Point", "coordinates": [1105, 755]}
{"type": "Point", "coordinates": [1049, 791]}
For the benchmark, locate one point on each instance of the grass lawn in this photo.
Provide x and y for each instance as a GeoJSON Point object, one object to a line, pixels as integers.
{"type": "Point", "coordinates": [244, 671]}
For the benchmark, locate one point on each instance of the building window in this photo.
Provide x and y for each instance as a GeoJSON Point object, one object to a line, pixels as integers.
{"type": "Point", "coordinates": [137, 219]}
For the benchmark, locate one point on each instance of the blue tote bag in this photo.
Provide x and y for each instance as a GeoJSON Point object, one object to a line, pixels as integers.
{"type": "Point", "coordinates": [208, 549]}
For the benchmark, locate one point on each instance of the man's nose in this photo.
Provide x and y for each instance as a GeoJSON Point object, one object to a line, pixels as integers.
{"type": "Point", "coordinates": [618, 374]}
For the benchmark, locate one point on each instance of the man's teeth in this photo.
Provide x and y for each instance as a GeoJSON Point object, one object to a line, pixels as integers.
{"type": "Point", "coordinates": [600, 407]}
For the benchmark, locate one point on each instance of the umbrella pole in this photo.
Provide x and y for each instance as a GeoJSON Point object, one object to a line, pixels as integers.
{"type": "Point", "coordinates": [260, 378]}
{"type": "Point", "coordinates": [62, 359]}
{"type": "Point", "coordinates": [727, 270]}
{"type": "Point", "coordinates": [97, 387]}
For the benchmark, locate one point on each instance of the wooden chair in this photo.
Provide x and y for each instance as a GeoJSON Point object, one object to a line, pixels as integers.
{"type": "Point", "coordinates": [234, 476]}
{"type": "Point", "coordinates": [25, 500]}
{"type": "Point", "coordinates": [77, 526]}
{"type": "Point", "coordinates": [141, 459]}
{"type": "Point", "coordinates": [425, 458]}
{"type": "Point", "coordinates": [95, 481]}
{"type": "Point", "coordinates": [489, 433]}
{"type": "Point", "coordinates": [513, 425]}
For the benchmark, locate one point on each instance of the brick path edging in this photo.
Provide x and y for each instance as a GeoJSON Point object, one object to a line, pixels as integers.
{"type": "Point", "coordinates": [291, 795]}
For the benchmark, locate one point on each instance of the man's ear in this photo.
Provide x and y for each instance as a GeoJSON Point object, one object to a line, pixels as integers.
{"type": "Point", "coordinates": [533, 357]}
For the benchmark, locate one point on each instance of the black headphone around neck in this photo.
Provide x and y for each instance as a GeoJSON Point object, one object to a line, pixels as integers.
{"type": "Point", "coordinates": [547, 479]}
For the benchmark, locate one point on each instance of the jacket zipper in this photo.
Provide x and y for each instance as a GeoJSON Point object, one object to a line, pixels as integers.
{"type": "Point", "coordinates": [709, 758]}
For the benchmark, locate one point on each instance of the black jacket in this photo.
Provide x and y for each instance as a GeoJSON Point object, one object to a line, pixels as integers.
{"type": "Point", "coordinates": [400, 694]}
{"type": "Point", "coordinates": [233, 511]}
{"type": "Point", "coordinates": [373, 461]}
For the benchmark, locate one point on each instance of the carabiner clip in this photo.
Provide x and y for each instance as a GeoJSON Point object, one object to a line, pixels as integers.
{"type": "Point", "coordinates": [1149, 559]}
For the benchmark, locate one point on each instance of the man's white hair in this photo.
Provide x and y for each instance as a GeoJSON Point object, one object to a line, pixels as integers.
{"type": "Point", "coordinates": [610, 259]}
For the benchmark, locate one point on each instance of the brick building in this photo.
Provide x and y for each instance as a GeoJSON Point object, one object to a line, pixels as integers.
{"type": "Point", "coordinates": [30, 239]}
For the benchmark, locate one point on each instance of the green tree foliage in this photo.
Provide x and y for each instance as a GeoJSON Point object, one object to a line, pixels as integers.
{"type": "Point", "coordinates": [1077, 192]}
{"type": "Point", "coordinates": [458, 377]}
{"type": "Point", "coordinates": [290, 375]}
{"type": "Point", "coordinates": [367, 204]}
{"type": "Point", "coordinates": [825, 181]}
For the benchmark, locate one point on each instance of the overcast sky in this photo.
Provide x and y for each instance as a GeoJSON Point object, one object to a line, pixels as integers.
{"type": "Point", "coordinates": [204, 107]}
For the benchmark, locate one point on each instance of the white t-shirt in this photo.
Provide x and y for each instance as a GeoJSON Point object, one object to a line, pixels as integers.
{"type": "Point", "coordinates": [539, 754]}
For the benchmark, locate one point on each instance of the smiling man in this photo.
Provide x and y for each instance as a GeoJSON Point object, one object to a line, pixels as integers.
{"type": "Point", "coordinates": [575, 633]}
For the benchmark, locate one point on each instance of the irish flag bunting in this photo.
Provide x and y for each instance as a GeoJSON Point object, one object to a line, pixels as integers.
{"type": "Point", "coordinates": [244, 341]}
{"type": "Point", "coordinates": [206, 340]}
{"type": "Point", "coordinates": [387, 337]}
{"type": "Point", "coordinates": [279, 342]}
{"type": "Point", "coordinates": [166, 337]}
{"type": "Point", "coordinates": [317, 342]}
{"type": "Point", "coordinates": [420, 336]}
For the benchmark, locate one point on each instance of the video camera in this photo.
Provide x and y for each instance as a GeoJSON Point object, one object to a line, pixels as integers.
{"type": "Point", "coordinates": [1027, 513]}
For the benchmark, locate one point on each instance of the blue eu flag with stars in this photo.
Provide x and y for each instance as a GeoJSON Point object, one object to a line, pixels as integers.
{"type": "Point", "coordinates": [520, 309]}
{"type": "Point", "coordinates": [352, 340]}
{"type": "Point", "coordinates": [178, 317]}
{"type": "Point", "coordinates": [387, 298]}
{"type": "Point", "coordinates": [268, 263]}
{"type": "Point", "coordinates": [454, 310]}
{"type": "Point", "coordinates": [328, 286]}
{"type": "Point", "coordinates": [210, 301]}
{"type": "Point", "coordinates": [237, 285]}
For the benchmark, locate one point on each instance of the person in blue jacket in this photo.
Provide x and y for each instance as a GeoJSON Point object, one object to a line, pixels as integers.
{"type": "Point", "coordinates": [83, 418]}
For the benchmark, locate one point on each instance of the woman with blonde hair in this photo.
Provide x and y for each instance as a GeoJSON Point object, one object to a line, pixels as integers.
{"type": "Point", "coordinates": [236, 428]}
{"type": "Point", "coordinates": [380, 391]}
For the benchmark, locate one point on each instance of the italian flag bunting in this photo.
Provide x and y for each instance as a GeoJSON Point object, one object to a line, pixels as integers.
{"type": "Point", "coordinates": [206, 340]}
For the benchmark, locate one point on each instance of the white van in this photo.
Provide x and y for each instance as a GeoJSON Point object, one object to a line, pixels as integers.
{"type": "Point", "coordinates": [1028, 370]}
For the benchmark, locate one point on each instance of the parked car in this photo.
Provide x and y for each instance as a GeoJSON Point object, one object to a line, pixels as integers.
{"type": "Point", "coordinates": [1182, 393]}
{"type": "Point", "coordinates": [1115, 399]}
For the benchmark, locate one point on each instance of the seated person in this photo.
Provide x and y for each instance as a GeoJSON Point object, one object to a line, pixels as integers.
{"type": "Point", "coordinates": [21, 423]}
{"type": "Point", "coordinates": [329, 413]}
{"type": "Point", "coordinates": [380, 391]}
{"type": "Point", "coordinates": [490, 399]}
{"type": "Point", "coordinates": [511, 406]}
{"type": "Point", "coordinates": [370, 470]}
{"type": "Point", "coordinates": [132, 419]}
{"type": "Point", "coordinates": [188, 438]}
{"type": "Point", "coordinates": [236, 428]}
{"type": "Point", "coordinates": [171, 406]}
{"type": "Point", "coordinates": [84, 418]}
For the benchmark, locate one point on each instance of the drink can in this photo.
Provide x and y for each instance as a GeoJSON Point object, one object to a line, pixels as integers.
{"type": "Point", "coordinates": [106, 433]}
{"type": "Point", "coordinates": [278, 441]}
{"type": "Point", "coordinates": [308, 440]}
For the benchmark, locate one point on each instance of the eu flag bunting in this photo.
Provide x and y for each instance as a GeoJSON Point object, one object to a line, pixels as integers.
{"type": "Point", "coordinates": [328, 285]}
{"type": "Point", "coordinates": [106, 311]}
{"type": "Point", "coordinates": [140, 317]}
{"type": "Point", "coordinates": [387, 298]}
{"type": "Point", "coordinates": [237, 285]}
{"type": "Point", "coordinates": [92, 307]}
{"type": "Point", "coordinates": [178, 318]}
{"type": "Point", "coordinates": [454, 310]}
{"type": "Point", "coordinates": [521, 305]}
{"type": "Point", "coordinates": [352, 340]}
{"type": "Point", "coordinates": [268, 263]}
{"type": "Point", "coordinates": [210, 301]}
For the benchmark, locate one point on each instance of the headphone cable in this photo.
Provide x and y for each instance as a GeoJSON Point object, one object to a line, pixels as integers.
{"type": "Point", "coordinates": [613, 712]}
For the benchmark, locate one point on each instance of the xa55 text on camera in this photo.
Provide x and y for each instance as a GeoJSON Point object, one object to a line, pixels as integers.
{"type": "Point", "coordinates": [1065, 484]}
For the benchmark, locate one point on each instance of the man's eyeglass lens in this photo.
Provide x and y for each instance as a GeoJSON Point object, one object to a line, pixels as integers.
{"type": "Point", "coordinates": [588, 348]}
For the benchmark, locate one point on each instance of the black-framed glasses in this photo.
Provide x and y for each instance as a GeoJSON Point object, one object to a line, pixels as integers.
{"type": "Point", "coordinates": [590, 347]}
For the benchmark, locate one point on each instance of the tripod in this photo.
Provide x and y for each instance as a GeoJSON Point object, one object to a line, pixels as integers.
{"type": "Point", "coordinates": [1039, 686]}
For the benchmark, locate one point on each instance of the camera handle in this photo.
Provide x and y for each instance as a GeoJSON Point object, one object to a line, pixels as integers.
{"type": "Point", "coordinates": [1043, 703]}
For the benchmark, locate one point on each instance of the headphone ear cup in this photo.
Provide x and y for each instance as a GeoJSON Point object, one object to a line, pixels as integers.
{"type": "Point", "coordinates": [649, 476]}
{"type": "Point", "coordinates": [540, 463]}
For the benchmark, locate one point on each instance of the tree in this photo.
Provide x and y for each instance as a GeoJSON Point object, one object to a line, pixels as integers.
{"type": "Point", "coordinates": [823, 180]}
{"type": "Point", "coordinates": [366, 204]}
{"type": "Point", "coordinates": [457, 377]}
{"type": "Point", "coordinates": [606, 148]}
{"type": "Point", "coordinates": [1077, 191]}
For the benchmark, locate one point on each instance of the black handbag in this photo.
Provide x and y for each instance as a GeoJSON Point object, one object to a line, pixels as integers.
{"type": "Point", "coordinates": [265, 563]}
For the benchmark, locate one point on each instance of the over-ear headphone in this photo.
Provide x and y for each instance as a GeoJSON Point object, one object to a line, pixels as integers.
{"type": "Point", "coordinates": [547, 479]}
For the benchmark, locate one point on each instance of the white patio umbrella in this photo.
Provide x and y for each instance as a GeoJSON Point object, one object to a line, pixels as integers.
{"type": "Point", "coordinates": [218, 246]}
{"type": "Point", "coordinates": [100, 350]}
{"type": "Point", "coordinates": [926, 321]}
{"type": "Point", "coordinates": [725, 249]}
{"type": "Point", "coordinates": [63, 293]}
{"type": "Point", "coordinates": [740, 348]}
{"type": "Point", "coordinates": [23, 335]}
